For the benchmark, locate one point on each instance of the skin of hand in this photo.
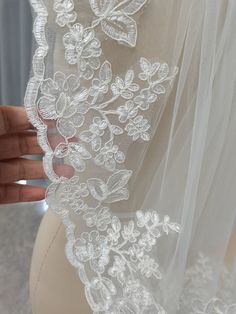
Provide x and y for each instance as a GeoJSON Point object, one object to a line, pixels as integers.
{"type": "Point", "coordinates": [17, 139]}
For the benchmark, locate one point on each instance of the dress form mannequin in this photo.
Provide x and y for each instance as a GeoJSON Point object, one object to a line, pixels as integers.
{"type": "Point", "coordinates": [54, 284]}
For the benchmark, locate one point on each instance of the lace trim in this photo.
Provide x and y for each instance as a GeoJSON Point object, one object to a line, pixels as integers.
{"type": "Point", "coordinates": [113, 259]}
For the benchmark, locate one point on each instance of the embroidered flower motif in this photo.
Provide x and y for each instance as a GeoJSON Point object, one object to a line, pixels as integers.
{"type": "Point", "coordinates": [100, 86]}
{"type": "Point", "coordinates": [137, 299]}
{"type": "Point", "coordinates": [113, 190]}
{"type": "Point", "coordinates": [73, 194]}
{"type": "Point", "coordinates": [148, 267]}
{"type": "Point", "coordinates": [155, 227]}
{"type": "Point", "coordinates": [59, 102]}
{"type": "Point", "coordinates": [114, 231]}
{"type": "Point", "coordinates": [98, 126]}
{"type": "Point", "coordinates": [137, 128]}
{"type": "Point", "coordinates": [156, 73]}
{"type": "Point", "coordinates": [83, 48]}
{"type": "Point", "coordinates": [98, 217]}
{"type": "Point", "coordinates": [94, 134]}
{"type": "Point", "coordinates": [147, 241]}
{"type": "Point", "coordinates": [135, 290]}
{"type": "Point", "coordinates": [118, 269]}
{"type": "Point", "coordinates": [145, 98]}
{"type": "Point", "coordinates": [93, 247]}
{"type": "Point", "coordinates": [136, 252]}
{"type": "Point", "coordinates": [109, 156]}
{"type": "Point", "coordinates": [125, 87]}
{"type": "Point", "coordinates": [149, 69]}
{"type": "Point", "coordinates": [73, 187]}
{"type": "Point", "coordinates": [81, 190]}
{"type": "Point", "coordinates": [77, 205]}
{"type": "Point", "coordinates": [128, 111]}
{"type": "Point", "coordinates": [65, 13]}
{"type": "Point", "coordinates": [76, 153]}
{"type": "Point", "coordinates": [129, 233]}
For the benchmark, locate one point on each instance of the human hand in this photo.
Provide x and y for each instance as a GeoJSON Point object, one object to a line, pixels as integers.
{"type": "Point", "coordinates": [17, 139]}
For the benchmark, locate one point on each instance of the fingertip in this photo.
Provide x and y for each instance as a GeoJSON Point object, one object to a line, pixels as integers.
{"type": "Point", "coordinates": [33, 193]}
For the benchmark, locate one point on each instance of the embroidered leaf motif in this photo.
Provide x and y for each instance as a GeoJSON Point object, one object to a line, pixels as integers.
{"type": "Point", "coordinates": [122, 194]}
{"type": "Point", "coordinates": [163, 71]}
{"type": "Point", "coordinates": [77, 162]}
{"type": "Point", "coordinates": [101, 7]}
{"type": "Point", "coordinates": [118, 180]}
{"type": "Point", "coordinates": [129, 77]}
{"type": "Point", "coordinates": [116, 225]}
{"type": "Point", "coordinates": [96, 143]}
{"type": "Point", "coordinates": [97, 188]}
{"type": "Point", "coordinates": [61, 150]}
{"type": "Point", "coordinates": [134, 6]}
{"type": "Point", "coordinates": [158, 89]}
{"type": "Point", "coordinates": [105, 72]}
{"type": "Point", "coordinates": [80, 149]}
{"type": "Point", "coordinates": [120, 27]}
{"type": "Point", "coordinates": [145, 65]}
{"type": "Point", "coordinates": [61, 104]}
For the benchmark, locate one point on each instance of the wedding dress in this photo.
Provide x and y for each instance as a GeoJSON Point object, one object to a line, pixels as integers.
{"type": "Point", "coordinates": [135, 106]}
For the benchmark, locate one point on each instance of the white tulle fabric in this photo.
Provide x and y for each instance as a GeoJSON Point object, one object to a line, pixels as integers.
{"type": "Point", "coordinates": [135, 106]}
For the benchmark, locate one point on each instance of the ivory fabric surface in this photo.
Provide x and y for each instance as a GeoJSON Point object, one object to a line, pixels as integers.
{"type": "Point", "coordinates": [134, 102]}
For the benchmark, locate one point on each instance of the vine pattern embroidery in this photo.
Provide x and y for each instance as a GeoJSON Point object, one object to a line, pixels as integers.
{"type": "Point", "coordinates": [114, 257]}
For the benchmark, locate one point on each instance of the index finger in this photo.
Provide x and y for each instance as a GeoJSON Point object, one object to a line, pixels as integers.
{"type": "Point", "coordinates": [13, 119]}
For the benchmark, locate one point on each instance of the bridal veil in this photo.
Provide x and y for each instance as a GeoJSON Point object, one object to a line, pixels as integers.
{"type": "Point", "coordinates": [135, 106]}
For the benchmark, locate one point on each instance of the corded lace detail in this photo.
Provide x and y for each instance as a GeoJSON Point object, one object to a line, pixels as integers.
{"type": "Point", "coordinates": [113, 257]}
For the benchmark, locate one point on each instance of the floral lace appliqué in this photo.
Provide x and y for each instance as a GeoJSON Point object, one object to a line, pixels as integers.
{"type": "Point", "coordinates": [114, 17]}
{"type": "Point", "coordinates": [93, 110]}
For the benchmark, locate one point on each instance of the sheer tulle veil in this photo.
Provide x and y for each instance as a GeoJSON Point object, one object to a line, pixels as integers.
{"type": "Point", "coordinates": [135, 106]}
